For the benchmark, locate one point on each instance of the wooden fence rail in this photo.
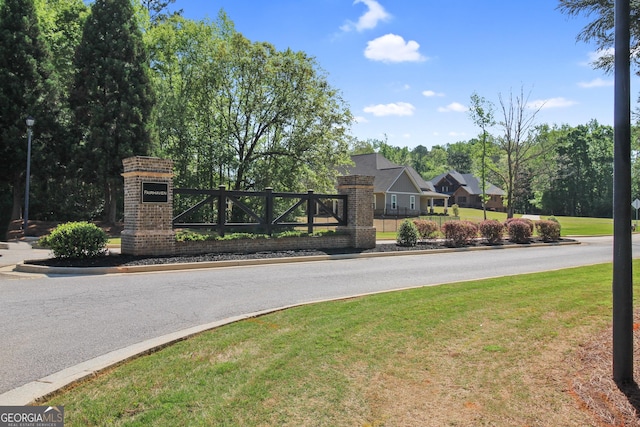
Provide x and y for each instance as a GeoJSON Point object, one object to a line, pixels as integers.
{"type": "Point", "coordinates": [266, 211]}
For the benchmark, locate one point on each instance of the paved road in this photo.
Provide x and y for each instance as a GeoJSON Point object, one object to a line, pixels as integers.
{"type": "Point", "coordinates": [48, 324]}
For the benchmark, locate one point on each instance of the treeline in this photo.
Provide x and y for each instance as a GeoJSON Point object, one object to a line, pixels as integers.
{"type": "Point", "coordinates": [118, 78]}
{"type": "Point", "coordinates": [572, 173]}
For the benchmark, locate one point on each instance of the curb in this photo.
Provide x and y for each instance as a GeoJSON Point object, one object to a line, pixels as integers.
{"type": "Point", "coordinates": [41, 269]}
{"type": "Point", "coordinates": [46, 387]}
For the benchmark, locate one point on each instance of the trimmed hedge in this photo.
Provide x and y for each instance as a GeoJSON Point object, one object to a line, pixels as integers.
{"type": "Point", "coordinates": [459, 233]}
{"type": "Point", "coordinates": [426, 229]}
{"type": "Point", "coordinates": [520, 230]}
{"type": "Point", "coordinates": [492, 230]}
{"type": "Point", "coordinates": [548, 230]}
{"type": "Point", "coordinates": [76, 240]}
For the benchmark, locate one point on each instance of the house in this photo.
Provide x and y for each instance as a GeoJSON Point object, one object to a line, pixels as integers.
{"type": "Point", "coordinates": [465, 190]}
{"type": "Point", "coordinates": [397, 190]}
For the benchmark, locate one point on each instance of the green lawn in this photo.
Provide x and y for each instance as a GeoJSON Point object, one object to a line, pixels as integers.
{"type": "Point", "coordinates": [571, 226]}
{"type": "Point", "coordinates": [490, 352]}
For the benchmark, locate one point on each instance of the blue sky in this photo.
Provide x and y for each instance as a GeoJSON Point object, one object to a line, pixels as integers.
{"type": "Point", "coordinates": [407, 68]}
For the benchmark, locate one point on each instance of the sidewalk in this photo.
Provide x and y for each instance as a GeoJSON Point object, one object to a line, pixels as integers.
{"type": "Point", "coordinates": [12, 253]}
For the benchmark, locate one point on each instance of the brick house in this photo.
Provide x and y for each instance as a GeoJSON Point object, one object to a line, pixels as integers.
{"type": "Point", "coordinates": [465, 190]}
{"type": "Point", "coordinates": [398, 190]}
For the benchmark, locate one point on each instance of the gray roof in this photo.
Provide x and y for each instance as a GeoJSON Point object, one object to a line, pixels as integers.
{"type": "Point", "coordinates": [386, 173]}
{"type": "Point", "coordinates": [470, 182]}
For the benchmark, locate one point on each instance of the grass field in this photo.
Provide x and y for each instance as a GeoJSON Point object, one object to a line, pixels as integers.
{"type": "Point", "coordinates": [490, 352]}
{"type": "Point", "coordinates": [571, 226]}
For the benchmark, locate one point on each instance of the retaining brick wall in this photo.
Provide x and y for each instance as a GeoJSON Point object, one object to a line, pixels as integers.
{"type": "Point", "coordinates": [148, 228]}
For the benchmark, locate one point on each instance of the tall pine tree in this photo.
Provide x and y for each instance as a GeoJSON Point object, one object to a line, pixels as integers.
{"type": "Point", "coordinates": [27, 87]}
{"type": "Point", "coordinates": [111, 97]}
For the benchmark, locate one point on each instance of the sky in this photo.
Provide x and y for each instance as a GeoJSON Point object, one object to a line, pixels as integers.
{"type": "Point", "coordinates": [407, 68]}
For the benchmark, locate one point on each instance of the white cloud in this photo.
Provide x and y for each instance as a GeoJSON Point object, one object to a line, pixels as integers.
{"type": "Point", "coordinates": [598, 54]}
{"type": "Point", "coordinates": [406, 135]}
{"type": "Point", "coordinates": [393, 109]}
{"type": "Point", "coordinates": [454, 107]}
{"type": "Point", "coordinates": [431, 93]}
{"type": "Point", "coordinates": [360, 119]}
{"type": "Point", "coordinates": [596, 83]}
{"type": "Point", "coordinates": [393, 48]}
{"type": "Point", "coordinates": [543, 104]}
{"type": "Point", "coordinates": [370, 19]}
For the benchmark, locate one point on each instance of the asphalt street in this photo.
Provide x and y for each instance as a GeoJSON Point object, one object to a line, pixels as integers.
{"type": "Point", "coordinates": [51, 323]}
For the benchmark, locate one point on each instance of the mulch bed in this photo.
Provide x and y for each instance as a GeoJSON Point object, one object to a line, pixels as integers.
{"type": "Point", "coordinates": [115, 260]}
{"type": "Point", "coordinates": [593, 385]}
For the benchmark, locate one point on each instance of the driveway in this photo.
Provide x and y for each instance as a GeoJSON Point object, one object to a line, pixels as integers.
{"type": "Point", "coordinates": [58, 328]}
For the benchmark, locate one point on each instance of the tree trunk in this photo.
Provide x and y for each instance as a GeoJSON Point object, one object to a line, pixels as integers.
{"type": "Point", "coordinates": [110, 202]}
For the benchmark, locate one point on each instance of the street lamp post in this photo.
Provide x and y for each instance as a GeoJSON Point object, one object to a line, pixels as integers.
{"type": "Point", "coordinates": [30, 122]}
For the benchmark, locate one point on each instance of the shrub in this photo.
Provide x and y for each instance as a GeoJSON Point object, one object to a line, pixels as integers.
{"type": "Point", "coordinates": [549, 231]}
{"type": "Point", "coordinates": [527, 221]}
{"type": "Point", "coordinates": [456, 210]}
{"type": "Point", "coordinates": [459, 233]}
{"type": "Point", "coordinates": [492, 230]}
{"type": "Point", "coordinates": [519, 230]}
{"type": "Point", "coordinates": [76, 240]}
{"type": "Point", "coordinates": [426, 229]}
{"type": "Point", "coordinates": [191, 236]}
{"type": "Point", "coordinates": [407, 234]}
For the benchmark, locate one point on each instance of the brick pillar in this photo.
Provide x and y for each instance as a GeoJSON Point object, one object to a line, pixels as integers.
{"type": "Point", "coordinates": [148, 206]}
{"type": "Point", "coordinates": [359, 191]}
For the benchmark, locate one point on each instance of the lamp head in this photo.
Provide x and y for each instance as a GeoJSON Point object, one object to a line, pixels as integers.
{"type": "Point", "coordinates": [30, 121]}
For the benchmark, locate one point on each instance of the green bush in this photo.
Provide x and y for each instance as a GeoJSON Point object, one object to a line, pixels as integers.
{"type": "Point", "coordinates": [548, 230]}
{"type": "Point", "coordinates": [192, 236]}
{"type": "Point", "coordinates": [456, 210]}
{"type": "Point", "coordinates": [426, 229]}
{"type": "Point", "coordinates": [492, 230]}
{"type": "Point", "coordinates": [407, 234]}
{"type": "Point", "coordinates": [519, 230]}
{"type": "Point", "coordinates": [76, 240]}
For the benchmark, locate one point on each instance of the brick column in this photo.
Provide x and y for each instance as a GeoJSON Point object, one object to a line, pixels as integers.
{"type": "Point", "coordinates": [148, 206]}
{"type": "Point", "coordinates": [359, 191]}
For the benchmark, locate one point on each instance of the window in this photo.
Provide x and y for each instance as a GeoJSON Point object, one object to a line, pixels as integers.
{"type": "Point", "coordinates": [394, 201]}
{"type": "Point", "coordinates": [462, 199]}
{"type": "Point", "coordinates": [374, 202]}
{"type": "Point", "coordinates": [412, 203]}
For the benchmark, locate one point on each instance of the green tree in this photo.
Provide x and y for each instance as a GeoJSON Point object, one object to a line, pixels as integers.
{"type": "Point", "coordinates": [111, 97]}
{"type": "Point", "coordinates": [61, 23]}
{"type": "Point", "coordinates": [579, 182]}
{"type": "Point", "coordinates": [460, 156]}
{"type": "Point", "coordinates": [242, 113]}
{"type": "Point", "coordinates": [157, 9]}
{"type": "Point", "coordinates": [481, 112]}
{"type": "Point", "coordinates": [397, 155]}
{"type": "Point", "coordinates": [517, 143]}
{"type": "Point", "coordinates": [27, 87]}
{"type": "Point", "coordinates": [600, 30]}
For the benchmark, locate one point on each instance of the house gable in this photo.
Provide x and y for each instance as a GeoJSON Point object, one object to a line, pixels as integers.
{"type": "Point", "coordinates": [404, 184]}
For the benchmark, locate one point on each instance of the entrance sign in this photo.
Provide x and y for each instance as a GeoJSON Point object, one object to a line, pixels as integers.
{"type": "Point", "coordinates": [155, 192]}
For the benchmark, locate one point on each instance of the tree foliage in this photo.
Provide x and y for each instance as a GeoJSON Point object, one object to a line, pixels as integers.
{"type": "Point", "coordinates": [579, 180]}
{"type": "Point", "coordinates": [601, 29]}
{"type": "Point", "coordinates": [243, 113]}
{"type": "Point", "coordinates": [28, 86]}
{"type": "Point", "coordinates": [111, 97]}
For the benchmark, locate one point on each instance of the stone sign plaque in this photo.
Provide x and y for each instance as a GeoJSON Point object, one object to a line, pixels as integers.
{"type": "Point", "coordinates": [155, 192]}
